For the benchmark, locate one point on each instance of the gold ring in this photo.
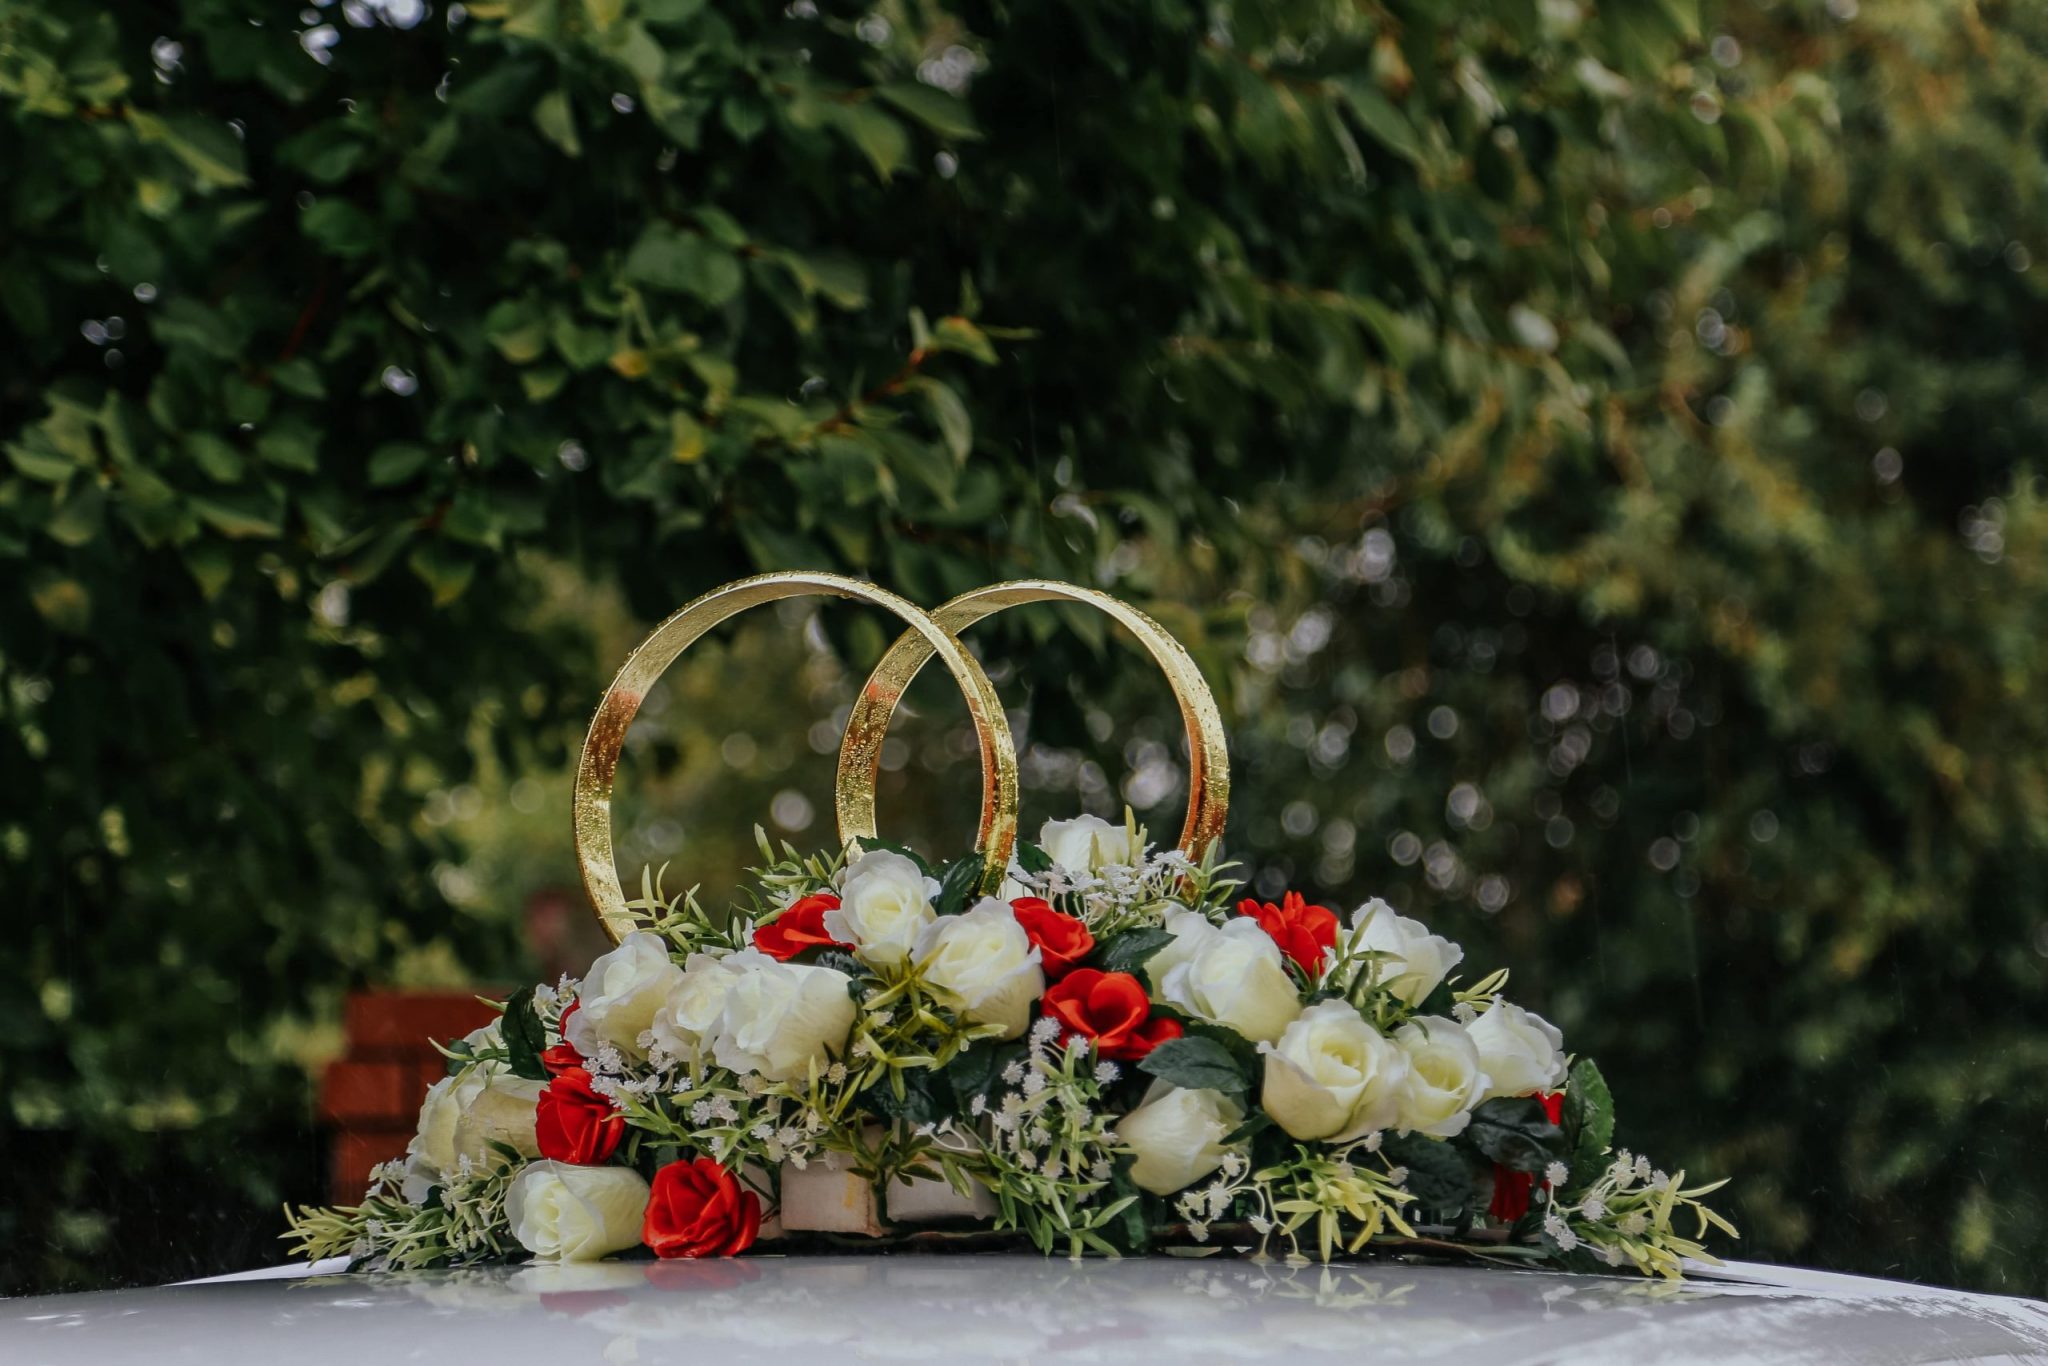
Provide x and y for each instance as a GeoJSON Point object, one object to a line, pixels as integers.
{"type": "Point", "coordinates": [1208, 756]}
{"type": "Point", "coordinates": [600, 759]}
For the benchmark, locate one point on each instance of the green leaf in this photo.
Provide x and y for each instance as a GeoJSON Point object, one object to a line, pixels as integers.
{"type": "Point", "coordinates": [949, 415]}
{"type": "Point", "coordinates": [944, 114]}
{"type": "Point", "coordinates": [1131, 950]}
{"type": "Point", "coordinates": [665, 257]}
{"type": "Point", "coordinates": [340, 227]}
{"type": "Point", "coordinates": [1256, 1123]}
{"type": "Point", "coordinates": [919, 1103]}
{"type": "Point", "coordinates": [184, 321]}
{"type": "Point", "coordinates": [1377, 115]}
{"type": "Point", "coordinates": [1196, 1064]}
{"type": "Point", "coordinates": [444, 569]}
{"type": "Point", "coordinates": [291, 444]}
{"type": "Point", "coordinates": [960, 880]}
{"type": "Point", "coordinates": [40, 460]}
{"type": "Point", "coordinates": [326, 153]}
{"type": "Point", "coordinates": [557, 122]}
{"type": "Point", "coordinates": [978, 1070]}
{"type": "Point", "coordinates": [79, 515]}
{"type": "Point", "coordinates": [525, 1037]}
{"type": "Point", "coordinates": [878, 135]}
{"type": "Point", "coordinates": [394, 462]}
{"type": "Point", "coordinates": [958, 334]}
{"type": "Point", "coordinates": [1588, 1117]}
{"type": "Point", "coordinates": [298, 377]}
{"type": "Point", "coordinates": [210, 564]}
{"type": "Point", "coordinates": [744, 115]}
{"type": "Point", "coordinates": [1032, 857]}
{"type": "Point", "coordinates": [251, 515]}
{"type": "Point", "coordinates": [207, 147]}
{"type": "Point", "coordinates": [1516, 1132]}
{"type": "Point", "coordinates": [1441, 1178]}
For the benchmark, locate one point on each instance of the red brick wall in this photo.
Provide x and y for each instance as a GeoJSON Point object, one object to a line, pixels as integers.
{"type": "Point", "coordinates": [371, 1095]}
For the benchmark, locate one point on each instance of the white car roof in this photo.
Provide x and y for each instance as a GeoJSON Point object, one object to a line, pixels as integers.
{"type": "Point", "coordinates": [988, 1308]}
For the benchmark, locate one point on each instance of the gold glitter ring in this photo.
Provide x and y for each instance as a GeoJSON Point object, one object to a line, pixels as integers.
{"type": "Point", "coordinates": [600, 759]}
{"type": "Point", "coordinates": [1208, 757]}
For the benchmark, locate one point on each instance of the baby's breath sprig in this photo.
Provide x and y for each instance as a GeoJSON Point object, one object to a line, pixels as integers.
{"type": "Point", "coordinates": [1625, 1219]}
{"type": "Point", "coordinates": [1118, 897]}
{"type": "Point", "coordinates": [1349, 1199]}
{"type": "Point", "coordinates": [463, 1221]}
{"type": "Point", "coordinates": [1050, 1150]}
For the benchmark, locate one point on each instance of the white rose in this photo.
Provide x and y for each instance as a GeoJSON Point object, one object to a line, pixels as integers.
{"type": "Point", "coordinates": [778, 1017]}
{"type": "Point", "coordinates": [1086, 844]}
{"type": "Point", "coordinates": [501, 1110]}
{"type": "Point", "coordinates": [1178, 1136]}
{"type": "Point", "coordinates": [1522, 1052]}
{"type": "Point", "coordinates": [620, 995]}
{"type": "Point", "coordinates": [1445, 1079]}
{"type": "Point", "coordinates": [566, 1213]}
{"type": "Point", "coordinates": [1231, 975]}
{"type": "Point", "coordinates": [1332, 1075]}
{"type": "Point", "coordinates": [463, 1112]}
{"type": "Point", "coordinates": [687, 1023]}
{"type": "Point", "coordinates": [984, 958]}
{"type": "Point", "coordinates": [885, 901]}
{"type": "Point", "coordinates": [1420, 959]}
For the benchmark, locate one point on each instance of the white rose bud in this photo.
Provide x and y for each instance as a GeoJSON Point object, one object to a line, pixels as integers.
{"type": "Point", "coordinates": [462, 1113]}
{"type": "Point", "coordinates": [687, 1023]}
{"type": "Point", "coordinates": [986, 960]}
{"type": "Point", "coordinates": [1231, 975]}
{"type": "Point", "coordinates": [1420, 961]}
{"type": "Point", "coordinates": [501, 1110]}
{"type": "Point", "coordinates": [566, 1213]}
{"type": "Point", "coordinates": [1445, 1079]}
{"type": "Point", "coordinates": [1522, 1052]}
{"type": "Point", "coordinates": [620, 995]}
{"type": "Point", "coordinates": [1178, 1136]}
{"type": "Point", "coordinates": [1086, 844]}
{"type": "Point", "coordinates": [779, 1017]}
{"type": "Point", "coordinates": [1332, 1075]}
{"type": "Point", "coordinates": [885, 901]}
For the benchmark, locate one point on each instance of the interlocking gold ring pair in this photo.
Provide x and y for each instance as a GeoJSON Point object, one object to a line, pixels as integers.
{"type": "Point", "coordinates": [860, 749]}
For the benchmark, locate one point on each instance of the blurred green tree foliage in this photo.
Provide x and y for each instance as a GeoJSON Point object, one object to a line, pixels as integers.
{"type": "Point", "coordinates": [1592, 447]}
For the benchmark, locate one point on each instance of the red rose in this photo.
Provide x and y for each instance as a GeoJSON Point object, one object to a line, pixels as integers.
{"type": "Point", "coordinates": [1511, 1189]}
{"type": "Point", "coordinates": [800, 927]}
{"type": "Point", "coordinates": [1063, 941]}
{"type": "Point", "coordinates": [698, 1209]}
{"type": "Point", "coordinates": [1304, 933]}
{"type": "Point", "coordinates": [1110, 1008]}
{"type": "Point", "coordinates": [573, 1123]}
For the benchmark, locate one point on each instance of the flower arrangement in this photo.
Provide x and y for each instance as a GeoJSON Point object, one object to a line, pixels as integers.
{"type": "Point", "coordinates": [1116, 1050]}
{"type": "Point", "coordinates": [1083, 1042]}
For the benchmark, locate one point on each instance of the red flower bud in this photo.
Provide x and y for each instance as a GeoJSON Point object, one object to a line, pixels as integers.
{"type": "Point", "coordinates": [1511, 1189]}
{"type": "Point", "coordinates": [1110, 1008]}
{"type": "Point", "coordinates": [562, 1056]}
{"type": "Point", "coordinates": [573, 1123]}
{"type": "Point", "coordinates": [1062, 940]}
{"type": "Point", "coordinates": [1304, 933]}
{"type": "Point", "coordinates": [800, 927]}
{"type": "Point", "coordinates": [699, 1209]}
